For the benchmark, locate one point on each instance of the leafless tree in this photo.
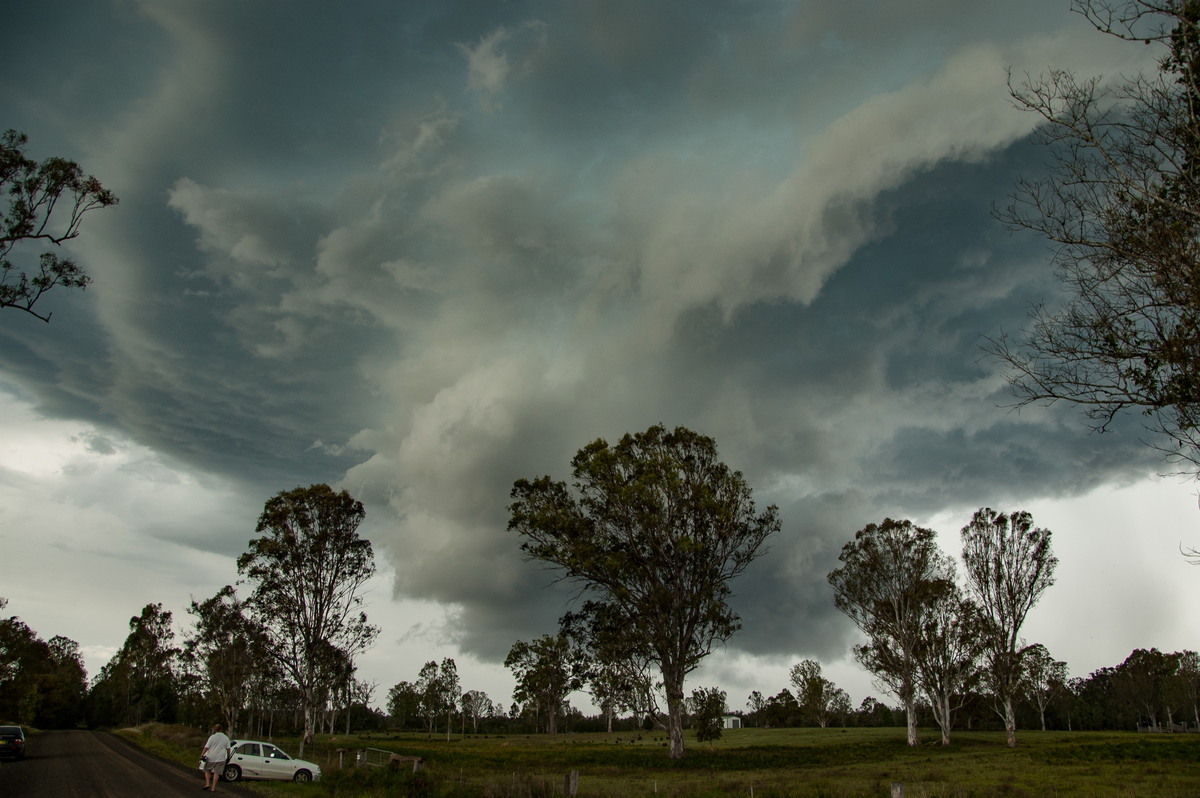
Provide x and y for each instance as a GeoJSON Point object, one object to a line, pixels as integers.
{"type": "Point", "coordinates": [1121, 208]}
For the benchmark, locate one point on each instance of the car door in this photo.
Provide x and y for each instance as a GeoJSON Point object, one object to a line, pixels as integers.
{"type": "Point", "coordinates": [248, 757]}
{"type": "Point", "coordinates": [276, 764]}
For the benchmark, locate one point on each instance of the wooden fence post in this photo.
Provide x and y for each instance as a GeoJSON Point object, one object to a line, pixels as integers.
{"type": "Point", "coordinates": [571, 783]}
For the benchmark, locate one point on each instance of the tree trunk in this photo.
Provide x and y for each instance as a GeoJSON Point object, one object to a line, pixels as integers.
{"type": "Point", "coordinates": [1010, 722]}
{"type": "Point", "coordinates": [942, 715]}
{"type": "Point", "coordinates": [673, 687]}
{"type": "Point", "coordinates": [910, 708]}
{"type": "Point", "coordinates": [310, 723]}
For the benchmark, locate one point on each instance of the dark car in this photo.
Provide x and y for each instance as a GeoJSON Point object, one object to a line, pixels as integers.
{"type": "Point", "coordinates": [12, 741]}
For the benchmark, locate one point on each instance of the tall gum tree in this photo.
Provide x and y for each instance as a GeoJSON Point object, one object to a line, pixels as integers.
{"type": "Point", "coordinates": [227, 648]}
{"type": "Point", "coordinates": [952, 642]}
{"type": "Point", "coordinates": [655, 527]}
{"type": "Point", "coordinates": [1009, 566]}
{"type": "Point", "coordinates": [889, 576]}
{"type": "Point", "coordinates": [547, 671]}
{"type": "Point", "coordinates": [308, 568]}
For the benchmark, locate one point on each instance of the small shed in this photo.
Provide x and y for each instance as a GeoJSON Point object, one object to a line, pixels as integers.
{"type": "Point", "coordinates": [731, 722]}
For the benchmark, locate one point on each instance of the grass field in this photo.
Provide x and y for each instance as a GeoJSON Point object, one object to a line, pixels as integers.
{"type": "Point", "coordinates": [806, 763]}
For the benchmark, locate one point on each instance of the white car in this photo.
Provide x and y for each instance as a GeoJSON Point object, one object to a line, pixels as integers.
{"type": "Point", "coordinates": [257, 760]}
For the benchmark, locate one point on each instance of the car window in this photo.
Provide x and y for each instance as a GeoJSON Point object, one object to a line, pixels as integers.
{"type": "Point", "coordinates": [272, 751]}
{"type": "Point", "coordinates": [248, 749]}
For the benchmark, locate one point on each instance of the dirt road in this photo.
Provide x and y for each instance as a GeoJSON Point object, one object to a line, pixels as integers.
{"type": "Point", "coordinates": [82, 764]}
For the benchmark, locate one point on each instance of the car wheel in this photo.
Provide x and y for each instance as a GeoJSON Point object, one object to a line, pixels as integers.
{"type": "Point", "coordinates": [302, 777]}
{"type": "Point", "coordinates": [232, 773]}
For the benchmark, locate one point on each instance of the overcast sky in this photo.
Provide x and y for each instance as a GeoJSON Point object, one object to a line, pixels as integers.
{"type": "Point", "coordinates": [421, 250]}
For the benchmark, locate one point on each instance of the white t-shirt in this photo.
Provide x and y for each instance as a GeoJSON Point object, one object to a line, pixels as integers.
{"type": "Point", "coordinates": [217, 747]}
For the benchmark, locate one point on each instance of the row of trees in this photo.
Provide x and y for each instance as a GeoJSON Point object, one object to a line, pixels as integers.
{"type": "Point", "coordinates": [1149, 690]}
{"type": "Point", "coordinates": [41, 682]}
{"type": "Point", "coordinates": [288, 647]}
{"type": "Point", "coordinates": [929, 637]}
{"type": "Point", "coordinates": [436, 700]}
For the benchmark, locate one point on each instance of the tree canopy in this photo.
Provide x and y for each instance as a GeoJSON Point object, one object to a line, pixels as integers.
{"type": "Point", "coordinates": [547, 670]}
{"type": "Point", "coordinates": [308, 569]}
{"type": "Point", "coordinates": [1009, 566]}
{"type": "Point", "coordinates": [47, 203]}
{"type": "Point", "coordinates": [889, 576]}
{"type": "Point", "coordinates": [655, 526]}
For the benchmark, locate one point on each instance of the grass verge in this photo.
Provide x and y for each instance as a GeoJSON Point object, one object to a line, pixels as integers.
{"type": "Point", "coordinates": [763, 763]}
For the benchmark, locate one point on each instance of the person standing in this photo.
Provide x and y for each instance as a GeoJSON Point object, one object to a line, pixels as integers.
{"type": "Point", "coordinates": [215, 755]}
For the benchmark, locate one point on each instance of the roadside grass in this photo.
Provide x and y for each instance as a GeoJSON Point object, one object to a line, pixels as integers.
{"type": "Point", "coordinates": [764, 763]}
{"type": "Point", "coordinates": [172, 742]}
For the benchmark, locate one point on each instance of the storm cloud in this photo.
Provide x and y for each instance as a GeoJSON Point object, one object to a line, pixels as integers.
{"type": "Point", "coordinates": [422, 250]}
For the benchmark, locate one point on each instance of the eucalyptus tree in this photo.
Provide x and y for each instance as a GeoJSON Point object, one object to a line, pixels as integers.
{"type": "Point", "coordinates": [229, 650]}
{"type": "Point", "coordinates": [1045, 678]}
{"type": "Point", "coordinates": [952, 641]}
{"type": "Point", "coordinates": [815, 694]}
{"type": "Point", "coordinates": [403, 702]}
{"type": "Point", "coordinates": [42, 683]}
{"type": "Point", "coordinates": [1009, 566]}
{"type": "Point", "coordinates": [620, 669]}
{"type": "Point", "coordinates": [655, 527]}
{"type": "Point", "coordinates": [1147, 682]}
{"type": "Point", "coordinates": [47, 201]}
{"type": "Point", "coordinates": [139, 683]}
{"type": "Point", "coordinates": [308, 568]}
{"type": "Point", "coordinates": [1120, 207]}
{"type": "Point", "coordinates": [438, 689]}
{"type": "Point", "coordinates": [547, 670]}
{"type": "Point", "coordinates": [755, 703]}
{"type": "Point", "coordinates": [889, 575]}
{"type": "Point", "coordinates": [64, 688]}
{"type": "Point", "coordinates": [475, 704]}
{"type": "Point", "coordinates": [708, 709]}
{"type": "Point", "coordinates": [1189, 678]}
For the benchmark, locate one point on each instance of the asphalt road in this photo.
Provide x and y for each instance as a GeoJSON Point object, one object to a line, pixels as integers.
{"type": "Point", "coordinates": [83, 764]}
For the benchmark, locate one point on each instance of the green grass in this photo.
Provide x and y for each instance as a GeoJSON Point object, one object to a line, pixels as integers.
{"type": "Point", "coordinates": [804, 763]}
